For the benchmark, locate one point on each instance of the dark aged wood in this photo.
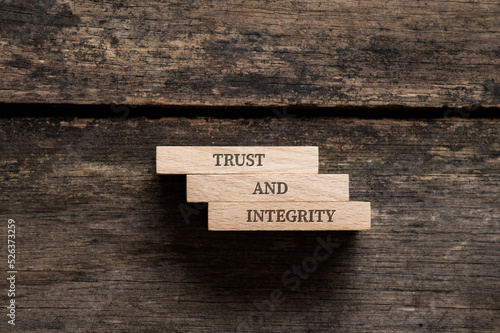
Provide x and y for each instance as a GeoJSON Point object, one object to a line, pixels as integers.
{"type": "Point", "coordinates": [102, 245]}
{"type": "Point", "coordinates": [326, 53]}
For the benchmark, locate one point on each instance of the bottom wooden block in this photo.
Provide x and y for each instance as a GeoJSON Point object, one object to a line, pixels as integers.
{"type": "Point", "coordinates": [277, 216]}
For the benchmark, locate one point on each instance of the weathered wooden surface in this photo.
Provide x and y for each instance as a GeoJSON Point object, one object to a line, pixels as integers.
{"type": "Point", "coordinates": [327, 53]}
{"type": "Point", "coordinates": [104, 247]}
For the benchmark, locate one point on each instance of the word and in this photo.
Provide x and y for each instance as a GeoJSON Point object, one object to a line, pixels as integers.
{"type": "Point", "coordinates": [238, 159]}
{"type": "Point", "coordinates": [274, 188]}
{"type": "Point", "coordinates": [291, 215]}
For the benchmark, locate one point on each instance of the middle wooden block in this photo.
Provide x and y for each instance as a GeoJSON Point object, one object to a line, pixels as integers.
{"type": "Point", "coordinates": [268, 187]}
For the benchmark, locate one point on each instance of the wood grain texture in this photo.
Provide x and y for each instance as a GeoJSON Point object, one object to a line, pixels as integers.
{"type": "Point", "coordinates": [179, 160]}
{"type": "Point", "coordinates": [103, 245]}
{"type": "Point", "coordinates": [326, 53]}
{"type": "Point", "coordinates": [282, 216]}
{"type": "Point", "coordinates": [282, 187]}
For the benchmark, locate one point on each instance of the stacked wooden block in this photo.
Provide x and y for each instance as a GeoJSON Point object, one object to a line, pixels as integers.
{"type": "Point", "coordinates": [264, 188]}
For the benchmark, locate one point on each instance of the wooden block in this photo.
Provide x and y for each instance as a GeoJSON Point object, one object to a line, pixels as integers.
{"type": "Point", "coordinates": [267, 187]}
{"type": "Point", "coordinates": [236, 159]}
{"type": "Point", "coordinates": [277, 216]}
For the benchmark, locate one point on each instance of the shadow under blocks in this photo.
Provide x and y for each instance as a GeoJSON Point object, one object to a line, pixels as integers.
{"type": "Point", "coordinates": [269, 269]}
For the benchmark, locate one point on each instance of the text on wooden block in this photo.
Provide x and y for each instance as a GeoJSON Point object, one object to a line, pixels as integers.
{"type": "Point", "coordinates": [353, 215]}
{"type": "Point", "coordinates": [268, 187]}
{"type": "Point", "coordinates": [236, 159]}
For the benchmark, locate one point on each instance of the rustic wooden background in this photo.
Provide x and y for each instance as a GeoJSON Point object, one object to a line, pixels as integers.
{"type": "Point", "coordinates": [233, 52]}
{"type": "Point", "coordinates": [103, 246]}
{"type": "Point", "coordinates": [401, 95]}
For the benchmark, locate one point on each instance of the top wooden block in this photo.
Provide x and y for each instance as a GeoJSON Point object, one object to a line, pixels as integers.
{"type": "Point", "coordinates": [171, 160]}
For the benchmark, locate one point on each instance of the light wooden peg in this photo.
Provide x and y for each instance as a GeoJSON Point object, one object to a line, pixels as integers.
{"type": "Point", "coordinates": [236, 159]}
{"type": "Point", "coordinates": [279, 216]}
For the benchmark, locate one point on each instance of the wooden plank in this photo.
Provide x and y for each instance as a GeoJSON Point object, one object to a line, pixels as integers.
{"type": "Point", "coordinates": [272, 187]}
{"type": "Point", "coordinates": [107, 245]}
{"type": "Point", "coordinates": [220, 53]}
{"type": "Point", "coordinates": [175, 160]}
{"type": "Point", "coordinates": [282, 216]}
